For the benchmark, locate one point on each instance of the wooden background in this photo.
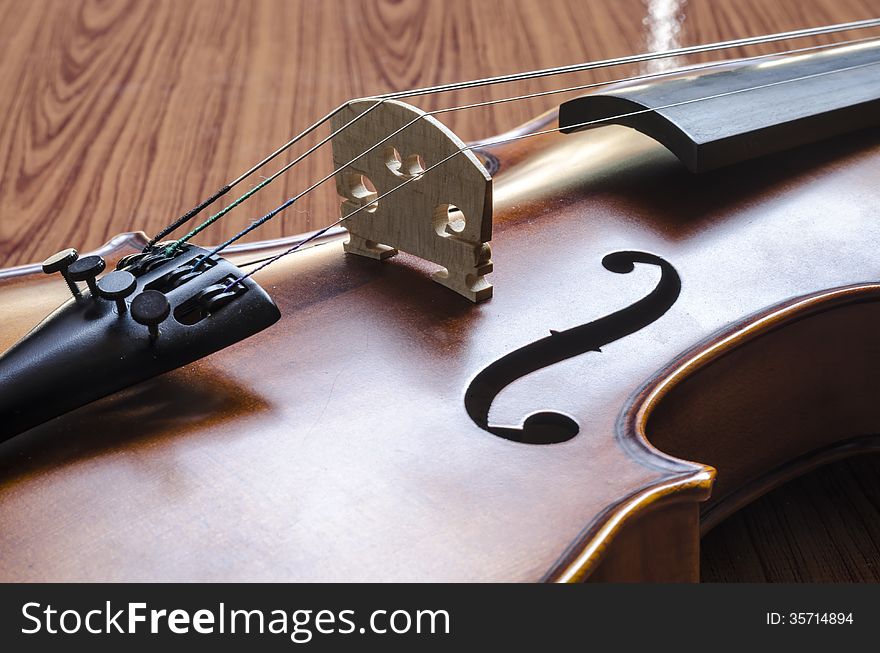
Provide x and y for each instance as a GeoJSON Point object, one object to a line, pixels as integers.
{"type": "Point", "coordinates": [119, 115]}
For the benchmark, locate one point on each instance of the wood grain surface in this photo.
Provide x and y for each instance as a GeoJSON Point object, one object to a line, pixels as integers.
{"type": "Point", "coordinates": [118, 116]}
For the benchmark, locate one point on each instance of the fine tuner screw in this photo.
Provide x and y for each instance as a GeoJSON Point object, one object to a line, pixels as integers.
{"type": "Point", "coordinates": [87, 269]}
{"type": "Point", "coordinates": [61, 262]}
{"type": "Point", "coordinates": [150, 308]}
{"type": "Point", "coordinates": [117, 285]}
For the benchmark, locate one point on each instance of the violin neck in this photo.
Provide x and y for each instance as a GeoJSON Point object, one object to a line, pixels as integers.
{"type": "Point", "coordinates": [743, 110]}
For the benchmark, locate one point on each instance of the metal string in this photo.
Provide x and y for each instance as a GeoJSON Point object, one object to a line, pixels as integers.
{"type": "Point", "coordinates": [207, 223]}
{"type": "Point", "coordinates": [637, 58]}
{"type": "Point", "coordinates": [189, 215]}
{"type": "Point", "coordinates": [829, 29]}
{"type": "Point", "coordinates": [271, 214]}
{"type": "Point", "coordinates": [511, 139]}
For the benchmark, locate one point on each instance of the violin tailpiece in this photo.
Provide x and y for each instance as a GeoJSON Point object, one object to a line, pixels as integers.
{"type": "Point", "coordinates": [443, 215]}
{"type": "Point", "coordinates": [154, 313]}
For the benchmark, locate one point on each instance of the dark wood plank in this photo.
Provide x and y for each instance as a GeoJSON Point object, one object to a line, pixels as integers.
{"type": "Point", "coordinates": [822, 527]}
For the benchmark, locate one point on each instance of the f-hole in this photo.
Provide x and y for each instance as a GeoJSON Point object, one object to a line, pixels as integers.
{"type": "Point", "coordinates": [551, 427]}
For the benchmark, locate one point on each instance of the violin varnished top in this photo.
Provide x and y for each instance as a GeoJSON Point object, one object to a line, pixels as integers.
{"type": "Point", "coordinates": [345, 428]}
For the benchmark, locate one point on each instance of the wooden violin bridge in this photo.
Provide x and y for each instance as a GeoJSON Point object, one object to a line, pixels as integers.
{"type": "Point", "coordinates": [441, 214]}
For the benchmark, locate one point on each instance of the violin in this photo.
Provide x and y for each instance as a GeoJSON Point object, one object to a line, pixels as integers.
{"type": "Point", "coordinates": [558, 354]}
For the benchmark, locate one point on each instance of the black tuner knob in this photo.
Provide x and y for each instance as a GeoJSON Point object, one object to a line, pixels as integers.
{"type": "Point", "coordinates": [150, 308]}
{"type": "Point", "coordinates": [87, 269]}
{"type": "Point", "coordinates": [61, 262]}
{"type": "Point", "coordinates": [117, 285]}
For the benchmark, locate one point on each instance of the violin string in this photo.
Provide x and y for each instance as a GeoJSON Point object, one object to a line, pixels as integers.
{"type": "Point", "coordinates": [630, 59]}
{"type": "Point", "coordinates": [256, 224]}
{"type": "Point", "coordinates": [510, 139]}
{"type": "Point", "coordinates": [207, 223]}
{"type": "Point", "coordinates": [189, 215]}
{"type": "Point", "coordinates": [637, 58]}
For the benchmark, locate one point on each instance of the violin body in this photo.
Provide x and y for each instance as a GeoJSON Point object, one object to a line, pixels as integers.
{"type": "Point", "coordinates": [336, 444]}
{"type": "Point", "coordinates": [660, 349]}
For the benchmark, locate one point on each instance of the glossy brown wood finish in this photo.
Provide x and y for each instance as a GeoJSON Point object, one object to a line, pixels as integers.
{"type": "Point", "coordinates": [335, 446]}
{"type": "Point", "coordinates": [249, 464]}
